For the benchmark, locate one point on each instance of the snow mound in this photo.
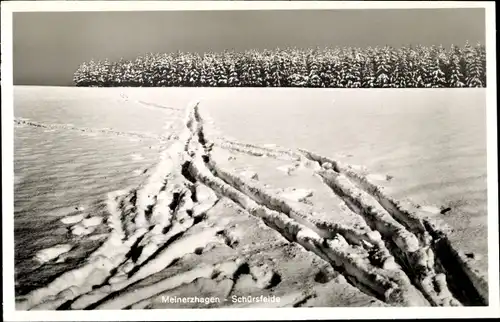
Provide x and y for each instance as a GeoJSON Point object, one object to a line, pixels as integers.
{"type": "Point", "coordinates": [49, 254]}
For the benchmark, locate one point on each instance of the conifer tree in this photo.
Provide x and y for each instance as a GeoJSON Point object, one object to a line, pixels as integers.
{"type": "Point", "coordinates": [436, 66]}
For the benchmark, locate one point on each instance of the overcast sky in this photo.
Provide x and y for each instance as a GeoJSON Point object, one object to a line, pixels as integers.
{"type": "Point", "coordinates": [49, 46]}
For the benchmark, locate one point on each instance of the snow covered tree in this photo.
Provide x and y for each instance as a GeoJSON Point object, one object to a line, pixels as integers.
{"type": "Point", "coordinates": [382, 70]}
{"type": "Point", "coordinates": [233, 80]}
{"type": "Point", "coordinates": [481, 53]}
{"type": "Point", "coordinates": [472, 66]}
{"type": "Point", "coordinates": [475, 68]}
{"type": "Point", "coordinates": [354, 78]}
{"type": "Point", "coordinates": [398, 77]}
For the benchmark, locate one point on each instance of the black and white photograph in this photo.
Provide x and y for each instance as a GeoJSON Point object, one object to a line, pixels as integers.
{"type": "Point", "coordinates": [192, 157]}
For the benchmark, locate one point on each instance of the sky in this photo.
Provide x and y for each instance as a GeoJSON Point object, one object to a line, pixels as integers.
{"type": "Point", "coordinates": [49, 46]}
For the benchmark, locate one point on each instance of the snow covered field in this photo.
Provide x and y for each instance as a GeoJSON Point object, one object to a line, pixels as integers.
{"type": "Point", "coordinates": [318, 197]}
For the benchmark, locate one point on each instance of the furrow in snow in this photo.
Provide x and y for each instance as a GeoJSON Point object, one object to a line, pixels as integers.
{"type": "Point", "coordinates": [466, 284]}
{"type": "Point", "coordinates": [473, 287]}
{"type": "Point", "coordinates": [159, 106]}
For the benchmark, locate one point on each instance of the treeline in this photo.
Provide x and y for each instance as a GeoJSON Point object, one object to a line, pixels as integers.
{"type": "Point", "coordinates": [345, 67]}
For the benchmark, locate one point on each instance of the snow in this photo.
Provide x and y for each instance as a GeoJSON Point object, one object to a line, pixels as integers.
{"type": "Point", "coordinates": [136, 157]}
